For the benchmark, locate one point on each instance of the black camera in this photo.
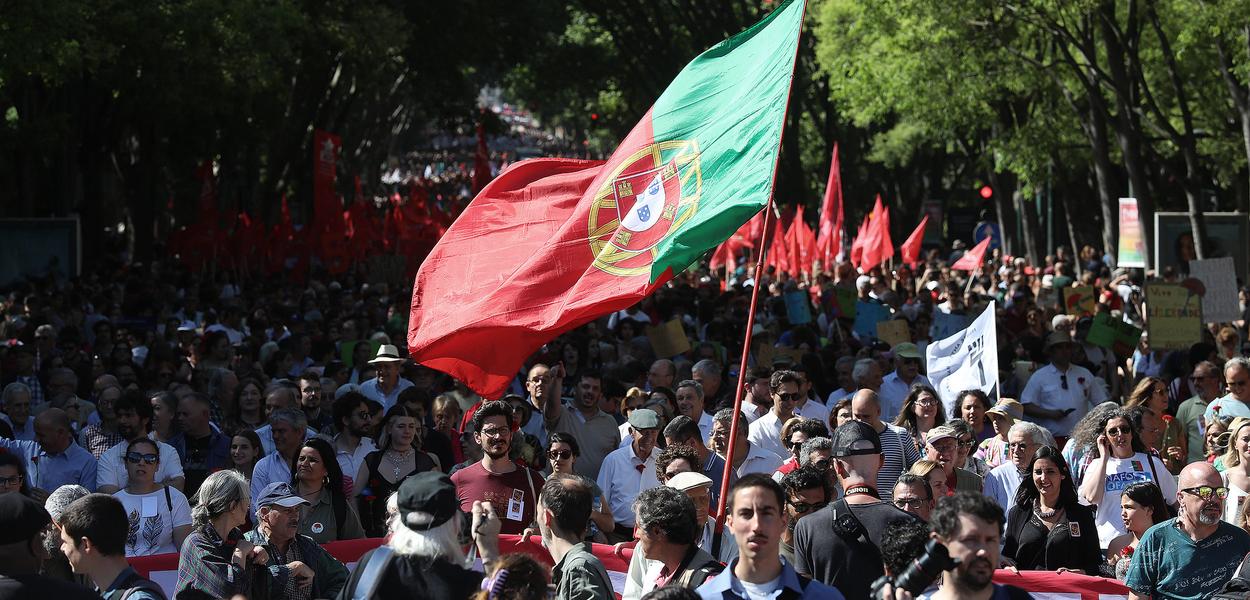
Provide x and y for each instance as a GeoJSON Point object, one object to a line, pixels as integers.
{"type": "Point", "coordinates": [921, 572]}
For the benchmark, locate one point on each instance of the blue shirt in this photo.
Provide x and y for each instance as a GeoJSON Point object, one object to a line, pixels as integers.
{"type": "Point", "coordinates": [727, 587]}
{"type": "Point", "coordinates": [371, 391]}
{"type": "Point", "coordinates": [50, 471]}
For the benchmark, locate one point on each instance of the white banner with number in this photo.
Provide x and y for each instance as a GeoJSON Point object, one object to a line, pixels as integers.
{"type": "Point", "coordinates": [966, 360]}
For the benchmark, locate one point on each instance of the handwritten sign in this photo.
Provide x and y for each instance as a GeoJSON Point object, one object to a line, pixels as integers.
{"type": "Point", "coordinates": [1113, 334]}
{"type": "Point", "coordinates": [668, 338]}
{"type": "Point", "coordinates": [1079, 300]}
{"type": "Point", "coordinates": [1173, 316]}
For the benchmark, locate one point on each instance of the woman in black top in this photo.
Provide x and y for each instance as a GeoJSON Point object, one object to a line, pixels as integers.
{"type": "Point", "coordinates": [1049, 529]}
{"type": "Point", "coordinates": [383, 470]}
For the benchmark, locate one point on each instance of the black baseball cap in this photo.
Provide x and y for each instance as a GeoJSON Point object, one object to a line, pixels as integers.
{"type": "Point", "coordinates": [427, 500]}
{"type": "Point", "coordinates": [855, 438]}
{"type": "Point", "coordinates": [21, 518]}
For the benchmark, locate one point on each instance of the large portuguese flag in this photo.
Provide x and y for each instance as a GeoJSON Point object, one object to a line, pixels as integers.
{"type": "Point", "coordinates": [551, 244]}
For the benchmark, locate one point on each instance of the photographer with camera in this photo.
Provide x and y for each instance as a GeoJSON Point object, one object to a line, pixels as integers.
{"type": "Point", "coordinates": [850, 559]}
{"type": "Point", "coordinates": [913, 559]}
{"type": "Point", "coordinates": [969, 527]}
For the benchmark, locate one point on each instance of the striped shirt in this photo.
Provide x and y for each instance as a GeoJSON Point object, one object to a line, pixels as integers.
{"type": "Point", "coordinates": [900, 453]}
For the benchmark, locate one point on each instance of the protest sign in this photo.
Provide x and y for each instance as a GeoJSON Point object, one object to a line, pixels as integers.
{"type": "Point", "coordinates": [893, 332]}
{"type": "Point", "coordinates": [798, 309]}
{"type": "Point", "coordinates": [867, 315]}
{"type": "Point", "coordinates": [1173, 315]}
{"type": "Point", "coordinates": [668, 338]}
{"type": "Point", "coordinates": [841, 302]}
{"type": "Point", "coordinates": [1219, 280]}
{"type": "Point", "coordinates": [1079, 300]}
{"type": "Point", "coordinates": [1114, 334]}
{"type": "Point", "coordinates": [1132, 250]}
{"type": "Point", "coordinates": [966, 360]}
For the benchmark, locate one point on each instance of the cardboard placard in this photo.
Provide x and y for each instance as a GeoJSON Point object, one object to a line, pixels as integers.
{"type": "Point", "coordinates": [668, 339]}
{"type": "Point", "coordinates": [768, 354]}
{"type": "Point", "coordinates": [1219, 280]}
{"type": "Point", "coordinates": [1173, 316]}
{"type": "Point", "coordinates": [842, 302]}
{"type": "Point", "coordinates": [1079, 300]}
{"type": "Point", "coordinates": [867, 315]}
{"type": "Point", "coordinates": [798, 309]}
{"type": "Point", "coordinates": [1114, 334]}
{"type": "Point", "coordinates": [894, 332]}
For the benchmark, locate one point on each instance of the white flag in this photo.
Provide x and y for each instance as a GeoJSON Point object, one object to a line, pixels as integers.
{"type": "Point", "coordinates": [966, 360]}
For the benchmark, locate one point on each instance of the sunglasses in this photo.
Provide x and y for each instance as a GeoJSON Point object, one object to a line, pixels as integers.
{"type": "Point", "coordinates": [1114, 431]}
{"type": "Point", "coordinates": [1018, 446]}
{"type": "Point", "coordinates": [560, 454]}
{"type": "Point", "coordinates": [821, 465]}
{"type": "Point", "coordinates": [135, 458]}
{"type": "Point", "coordinates": [788, 397]}
{"type": "Point", "coordinates": [804, 507]}
{"type": "Point", "coordinates": [905, 503]}
{"type": "Point", "coordinates": [1205, 492]}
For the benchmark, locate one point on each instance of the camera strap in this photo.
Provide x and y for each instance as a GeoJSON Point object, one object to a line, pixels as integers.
{"type": "Point", "coordinates": [847, 525]}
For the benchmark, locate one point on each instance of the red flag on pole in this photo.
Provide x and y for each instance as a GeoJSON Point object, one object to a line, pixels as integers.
{"type": "Point", "coordinates": [910, 250]}
{"type": "Point", "coordinates": [829, 243]}
{"type": "Point", "coordinates": [857, 244]}
{"type": "Point", "coordinates": [877, 245]}
{"type": "Point", "coordinates": [726, 255]}
{"type": "Point", "coordinates": [974, 258]}
{"type": "Point", "coordinates": [778, 251]}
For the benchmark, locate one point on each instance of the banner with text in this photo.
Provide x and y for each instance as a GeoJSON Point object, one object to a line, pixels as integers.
{"type": "Point", "coordinates": [1132, 242]}
{"type": "Point", "coordinates": [966, 360]}
{"type": "Point", "coordinates": [1219, 282]}
{"type": "Point", "coordinates": [1174, 314]}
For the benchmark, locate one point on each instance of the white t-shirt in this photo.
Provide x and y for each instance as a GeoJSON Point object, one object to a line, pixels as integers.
{"type": "Point", "coordinates": [1121, 473]}
{"type": "Point", "coordinates": [153, 519]}
{"type": "Point", "coordinates": [111, 469]}
{"type": "Point", "coordinates": [761, 591]}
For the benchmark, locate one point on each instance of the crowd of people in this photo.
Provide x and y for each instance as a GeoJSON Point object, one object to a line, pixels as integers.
{"type": "Point", "coordinates": [245, 424]}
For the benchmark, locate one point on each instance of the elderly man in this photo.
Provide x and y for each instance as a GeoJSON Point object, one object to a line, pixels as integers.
{"type": "Point", "coordinates": [1189, 415]}
{"type": "Point", "coordinates": [629, 470]}
{"type": "Point", "coordinates": [1060, 393]}
{"type": "Point", "coordinates": [1023, 439]}
{"type": "Point", "coordinates": [747, 457]}
{"type": "Point", "coordinates": [897, 445]}
{"type": "Point", "coordinates": [385, 388]}
{"type": "Point", "coordinates": [682, 430]}
{"type": "Point", "coordinates": [942, 447]}
{"type": "Point", "coordinates": [913, 494]}
{"type": "Point", "coordinates": [667, 553]}
{"type": "Point", "coordinates": [596, 432]}
{"type": "Point", "coordinates": [1191, 555]}
{"type": "Point", "coordinates": [288, 437]}
{"type": "Point", "coordinates": [134, 416]}
{"type": "Point", "coordinates": [54, 459]}
{"type": "Point", "coordinates": [690, 402]}
{"type": "Point", "coordinates": [17, 400]}
{"type": "Point", "coordinates": [708, 373]}
{"type": "Point", "coordinates": [1237, 402]}
{"type": "Point", "coordinates": [279, 395]}
{"type": "Point", "coordinates": [661, 374]}
{"type": "Point", "coordinates": [277, 531]}
{"type": "Point", "coordinates": [894, 387]}
{"type": "Point", "coordinates": [201, 449]}
{"type": "Point", "coordinates": [765, 432]}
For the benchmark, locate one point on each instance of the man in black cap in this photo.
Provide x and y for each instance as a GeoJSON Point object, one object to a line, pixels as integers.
{"type": "Point", "coordinates": [849, 560]}
{"type": "Point", "coordinates": [277, 531]}
{"type": "Point", "coordinates": [423, 558]}
{"type": "Point", "coordinates": [22, 523]}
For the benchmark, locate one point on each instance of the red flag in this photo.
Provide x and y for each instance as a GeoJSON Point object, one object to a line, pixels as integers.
{"type": "Point", "coordinates": [481, 160]}
{"type": "Point", "coordinates": [857, 244]}
{"type": "Point", "coordinates": [974, 258]}
{"type": "Point", "coordinates": [726, 255]}
{"type": "Point", "coordinates": [778, 252]}
{"type": "Point", "coordinates": [910, 250]}
{"type": "Point", "coordinates": [829, 243]}
{"type": "Point", "coordinates": [807, 246]}
{"type": "Point", "coordinates": [877, 244]}
{"type": "Point", "coordinates": [327, 208]}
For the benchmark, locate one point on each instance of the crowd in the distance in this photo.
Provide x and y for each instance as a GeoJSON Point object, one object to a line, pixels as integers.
{"type": "Point", "coordinates": [149, 410]}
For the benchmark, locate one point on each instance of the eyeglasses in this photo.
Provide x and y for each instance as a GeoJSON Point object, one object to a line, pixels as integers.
{"type": "Point", "coordinates": [927, 402]}
{"type": "Point", "coordinates": [1114, 431]}
{"type": "Point", "coordinates": [804, 507]}
{"type": "Point", "coordinates": [1205, 492]}
{"type": "Point", "coordinates": [906, 503]}
{"type": "Point", "coordinates": [496, 432]}
{"type": "Point", "coordinates": [1018, 446]}
{"type": "Point", "coordinates": [794, 445]}
{"type": "Point", "coordinates": [965, 443]}
{"type": "Point", "coordinates": [788, 397]}
{"type": "Point", "coordinates": [134, 458]}
{"type": "Point", "coordinates": [560, 454]}
{"type": "Point", "coordinates": [10, 481]}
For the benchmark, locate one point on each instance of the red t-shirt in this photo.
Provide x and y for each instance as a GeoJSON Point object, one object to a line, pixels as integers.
{"type": "Point", "coordinates": [503, 491]}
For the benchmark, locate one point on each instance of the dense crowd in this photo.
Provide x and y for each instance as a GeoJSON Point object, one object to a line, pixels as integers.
{"type": "Point", "coordinates": [244, 423]}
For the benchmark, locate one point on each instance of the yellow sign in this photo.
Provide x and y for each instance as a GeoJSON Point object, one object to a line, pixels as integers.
{"type": "Point", "coordinates": [668, 339]}
{"type": "Point", "coordinates": [893, 332]}
{"type": "Point", "coordinates": [1079, 300]}
{"type": "Point", "coordinates": [1173, 316]}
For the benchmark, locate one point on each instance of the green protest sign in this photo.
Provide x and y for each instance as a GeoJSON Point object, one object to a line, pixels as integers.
{"type": "Point", "coordinates": [1113, 334]}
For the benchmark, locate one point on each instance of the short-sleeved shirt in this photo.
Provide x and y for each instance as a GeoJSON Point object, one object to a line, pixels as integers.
{"type": "Point", "coordinates": [1169, 564]}
{"type": "Point", "coordinates": [1225, 407]}
{"type": "Point", "coordinates": [900, 452]}
{"type": "Point", "coordinates": [512, 494]}
{"type": "Point", "coordinates": [112, 469]}
{"type": "Point", "coordinates": [1121, 473]}
{"type": "Point", "coordinates": [1074, 389]}
{"type": "Point", "coordinates": [153, 517]}
{"type": "Point", "coordinates": [1187, 415]}
{"type": "Point", "coordinates": [846, 563]}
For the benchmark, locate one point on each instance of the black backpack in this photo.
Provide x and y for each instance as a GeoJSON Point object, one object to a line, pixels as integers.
{"type": "Point", "coordinates": [1237, 588]}
{"type": "Point", "coordinates": [136, 582]}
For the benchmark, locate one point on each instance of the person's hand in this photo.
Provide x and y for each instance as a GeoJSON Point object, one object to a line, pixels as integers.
{"type": "Point", "coordinates": [1067, 570]}
{"type": "Point", "coordinates": [302, 573]}
{"type": "Point", "coordinates": [528, 533]}
{"type": "Point", "coordinates": [485, 522]}
{"type": "Point", "coordinates": [1004, 562]}
{"type": "Point", "coordinates": [1175, 453]}
{"type": "Point", "coordinates": [889, 593]}
{"type": "Point", "coordinates": [242, 553]}
{"type": "Point", "coordinates": [259, 555]}
{"type": "Point", "coordinates": [1104, 445]}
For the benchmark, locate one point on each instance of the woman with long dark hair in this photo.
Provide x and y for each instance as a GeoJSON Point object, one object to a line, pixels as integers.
{"type": "Point", "coordinates": [1141, 507]}
{"type": "Point", "coordinates": [396, 459]}
{"type": "Point", "coordinates": [922, 410]}
{"type": "Point", "coordinates": [318, 479]}
{"type": "Point", "coordinates": [1049, 529]}
{"type": "Point", "coordinates": [1121, 459]}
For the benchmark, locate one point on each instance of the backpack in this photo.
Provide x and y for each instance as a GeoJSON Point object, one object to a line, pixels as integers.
{"type": "Point", "coordinates": [1237, 588]}
{"type": "Point", "coordinates": [136, 583]}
